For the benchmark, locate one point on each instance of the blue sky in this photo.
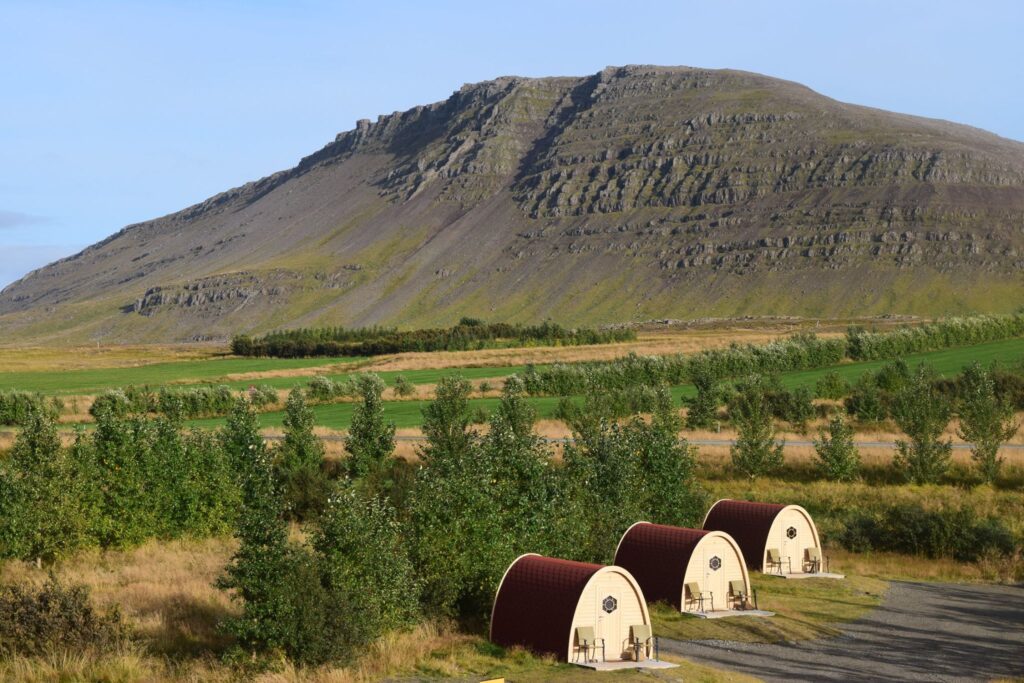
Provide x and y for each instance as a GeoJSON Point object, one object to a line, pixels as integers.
{"type": "Point", "coordinates": [116, 112]}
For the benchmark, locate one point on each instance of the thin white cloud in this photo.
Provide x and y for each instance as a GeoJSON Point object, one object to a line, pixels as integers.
{"type": "Point", "coordinates": [16, 219]}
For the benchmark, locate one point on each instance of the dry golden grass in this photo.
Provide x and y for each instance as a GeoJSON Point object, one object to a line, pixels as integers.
{"type": "Point", "coordinates": [891, 566]}
{"type": "Point", "coordinates": [648, 343]}
{"type": "Point", "coordinates": [164, 589]}
{"type": "Point", "coordinates": [55, 358]}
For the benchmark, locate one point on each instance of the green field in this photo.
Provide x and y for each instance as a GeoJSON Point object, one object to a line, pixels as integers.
{"type": "Point", "coordinates": [409, 413]}
{"type": "Point", "coordinates": [96, 380]}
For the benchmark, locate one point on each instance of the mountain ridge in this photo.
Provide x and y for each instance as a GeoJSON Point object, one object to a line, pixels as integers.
{"type": "Point", "coordinates": [634, 193]}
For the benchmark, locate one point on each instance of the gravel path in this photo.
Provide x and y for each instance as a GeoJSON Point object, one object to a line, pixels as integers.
{"type": "Point", "coordinates": [923, 632]}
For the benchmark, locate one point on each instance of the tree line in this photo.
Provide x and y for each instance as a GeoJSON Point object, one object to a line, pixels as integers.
{"type": "Point", "coordinates": [469, 333]}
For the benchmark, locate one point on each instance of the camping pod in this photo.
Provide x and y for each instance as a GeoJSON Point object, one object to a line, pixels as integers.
{"type": "Point", "coordinates": [780, 539]}
{"type": "Point", "coordinates": [691, 569]}
{"type": "Point", "coordinates": [543, 604]}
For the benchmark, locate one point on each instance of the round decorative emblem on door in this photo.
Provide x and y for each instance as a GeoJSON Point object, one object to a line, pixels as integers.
{"type": "Point", "coordinates": [609, 604]}
{"type": "Point", "coordinates": [715, 563]}
{"type": "Point", "coordinates": [791, 532]}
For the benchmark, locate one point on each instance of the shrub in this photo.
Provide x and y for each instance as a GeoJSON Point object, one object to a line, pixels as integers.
{"type": "Point", "coordinates": [910, 529]}
{"type": "Point", "coordinates": [831, 386]}
{"type": "Point", "coordinates": [838, 458]}
{"type": "Point", "coordinates": [322, 388]}
{"type": "Point", "coordinates": [38, 621]}
{"type": "Point", "coordinates": [893, 376]}
{"type": "Point", "coordinates": [986, 421]}
{"type": "Point", "coordinates": [262, 395]}
{"type": "Point", "coordinates": [795, 407]}
{"type": "Point", "coordinates": [371, 439]}
{"type": "Point", "coordinates": [404, 387]}
{"type": "Point", "coordinates": [866, 402]}
{"type": "Point", "coordinates": [755, 452]}
{"type": "Point", "coordinates": [923, 414]}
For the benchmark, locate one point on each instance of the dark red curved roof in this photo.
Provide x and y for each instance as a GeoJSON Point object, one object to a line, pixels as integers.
{"type": "Point", "coordinates": [536, 603]}
{"type": "Point", "coordinates": [657, 556]}
{"type": "Point", "coordinates": [748, 523]}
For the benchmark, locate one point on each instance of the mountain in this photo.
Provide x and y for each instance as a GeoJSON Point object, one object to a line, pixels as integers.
{"type": "Point", "coordinates": [635, 193]}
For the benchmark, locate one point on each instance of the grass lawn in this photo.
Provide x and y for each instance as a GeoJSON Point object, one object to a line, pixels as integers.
{"type": "Point", "coordinates": [804, 610]}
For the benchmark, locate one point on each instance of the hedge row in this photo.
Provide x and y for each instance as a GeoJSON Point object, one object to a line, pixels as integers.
{"type": "Point", "coordinates": [189, 403]}
{"type": "Point", "coordinates": [800, 352]}
{"type": "Point", "coordinates": [15, 406]}
{"type": "Point", "coordinates": [944, 334]}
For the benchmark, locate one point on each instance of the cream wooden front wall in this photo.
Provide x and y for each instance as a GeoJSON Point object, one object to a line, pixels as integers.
{"type": "Point", "coordinates": [717, 581]}
{"type": "Point", "coordinates": [613, 627]}
{"type": "Point", "coordinates": [806, 537]}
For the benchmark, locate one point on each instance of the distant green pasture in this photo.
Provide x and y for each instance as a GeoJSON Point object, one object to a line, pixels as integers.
{"type": "Point", "coordinates": [409, 413]}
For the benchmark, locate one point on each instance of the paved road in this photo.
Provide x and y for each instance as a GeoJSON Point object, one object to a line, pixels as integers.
{"type": "Point", "coordinates": [923, 632]}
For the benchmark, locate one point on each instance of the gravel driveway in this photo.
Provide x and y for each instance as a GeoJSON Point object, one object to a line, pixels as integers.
{"type": "Point", "coordinates": [922, 632]}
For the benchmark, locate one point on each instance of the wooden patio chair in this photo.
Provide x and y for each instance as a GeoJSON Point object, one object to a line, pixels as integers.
{"type": "Point", "coordinates": [641, 639]}
{"type": "Point", "coordinates": [695, 596]}
{"type": "Point", "coordinates": [812, 560]}
{"type": "Point", "coordinates": [775, 561]}
{"type": "Point", "coordinates": [738, 593]}
{"type": "Point", "coordinates": [586, 642]}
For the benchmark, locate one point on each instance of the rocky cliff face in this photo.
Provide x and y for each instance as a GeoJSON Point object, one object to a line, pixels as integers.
{"type": "Point", "coordinates": [635, 193]}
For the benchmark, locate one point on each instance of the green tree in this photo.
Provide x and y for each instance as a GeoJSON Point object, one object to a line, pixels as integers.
{"type": "Point", "coordinates": [797, 408]}
{"type": "Point", "coordinates": [923, 413]}
{"type": "Point", "coordinates": [667, 467]}
{"type": "Point", "coordinates": [365, 565]}
{"type": "Point", "coordinates": [703, 408]}
{"type": "Point", "coordinates": [371, 439]}
{"type": "Point", "coordinates": [42, 502]}
{"type": "Point", "coordinates": [121, 453]}
{"type": "Point", "coordinates": [986, 421]}
{"type": "Point", "coordinates": [300, 460]}
{"type": "Point", "coordinates": [838, 457]}
{"type": "Point", "coordinates": [446, 420]}
{"type": "Point", "coordinates": [514, 411]}
{"type": "Point", "coordinates": [755, 452]}
{"type": "Point", "coordinates": [240, 437]}
{"type": "Point", "coordinates": [865, 401]}
{"type": "Point", "coordinates": [284, 605]}
{"type": "Point", "coordinates": [603, 480]}
{"type": "Point", "coordinates": [476, 506]}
